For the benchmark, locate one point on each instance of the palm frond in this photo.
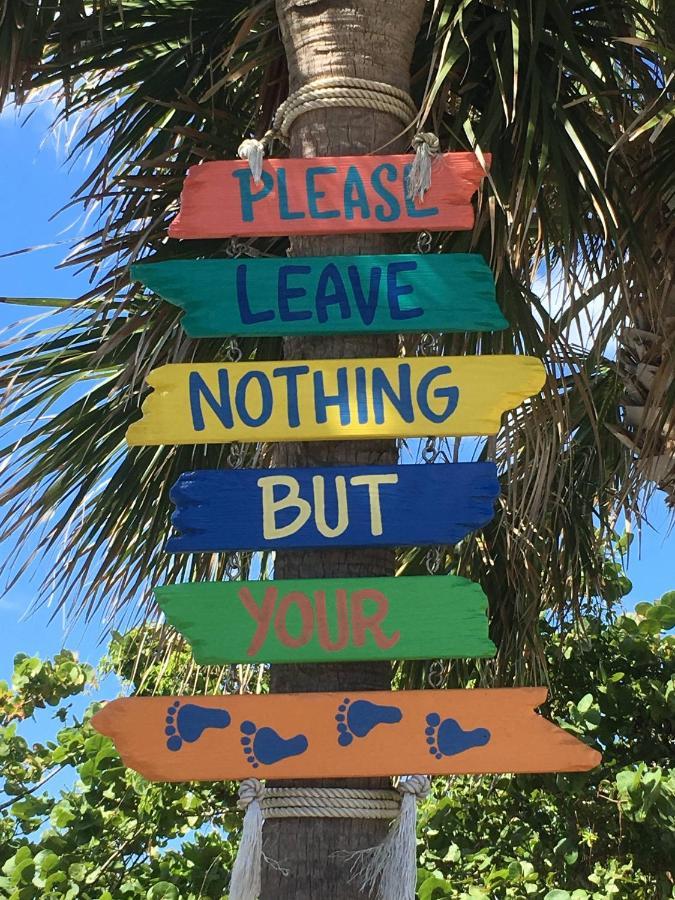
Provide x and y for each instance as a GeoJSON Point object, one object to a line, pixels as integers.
{"type": "Point", "coordinates": [560, 93]}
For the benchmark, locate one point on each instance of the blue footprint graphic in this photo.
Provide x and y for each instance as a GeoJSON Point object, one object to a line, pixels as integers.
{"type": "Point", "coordinates": [266, 746]}
{"type": "Point", "coordinates": [358, 718]}
{"type": "Point", "coordinates": [187, 723]}
{"type": "Point", "coordinates": [447, 738]}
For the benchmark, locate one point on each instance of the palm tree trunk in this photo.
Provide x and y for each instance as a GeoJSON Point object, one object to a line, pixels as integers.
{"type": "Point", "coordinates": [368, 39]}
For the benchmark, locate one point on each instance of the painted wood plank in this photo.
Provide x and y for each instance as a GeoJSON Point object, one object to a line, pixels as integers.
{"type": "Point", "coordinates": [325, 195]}
{"type": "Point", "coordinates": [330, 619]}
{"type": "Point", "coordinates": [204, 403]}
{"type": "Point", "coordinates": [328, 295]}
{"type": "Point", "coordinates": [335, 735]}
{"type": "Point", "coordinates": [342, 506]}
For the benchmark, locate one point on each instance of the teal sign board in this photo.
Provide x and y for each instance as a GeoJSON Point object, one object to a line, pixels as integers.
{"type": "Point", "coordinates": [333, 294]}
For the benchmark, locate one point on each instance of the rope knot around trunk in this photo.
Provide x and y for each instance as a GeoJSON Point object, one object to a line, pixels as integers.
{"type": "Point", "coordinates": [360, 93]}
{"type": "Point", "coordinates": [391, 866]}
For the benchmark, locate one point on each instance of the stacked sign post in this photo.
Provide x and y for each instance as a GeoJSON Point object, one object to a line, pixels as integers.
{"type": "Point", "coordinates": [328, 735]}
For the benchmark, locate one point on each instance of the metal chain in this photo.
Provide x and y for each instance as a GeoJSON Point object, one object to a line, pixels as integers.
{"type": "Point", "coordinates": [236, 249]}
{"type": "Point", "coordinates": [428, 345]}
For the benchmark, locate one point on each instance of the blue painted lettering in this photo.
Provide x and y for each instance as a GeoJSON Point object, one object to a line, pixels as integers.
{"type": "Point", "coordinates": [286, 292]}
{"type": "Point", "coordinates": [323, 400]}
{"type": "Point", "coordinates": [355, 196]}
{"type": "Point", "coordinates": [366, 307]}
{"type": "Point", "coordinates": [248, 317]}
{"type": "Point", "coordinates": [449, 394]}
{"type": "Point", "coordinates": [284, 211]}
{"type": "Point", "coordinates": [396, 290]}
{"type": "Point", "coordinates": [361, 395]}
{"type": "Point", "coordinates": [314, 195]}
{"type": "Point", "coordinates": [241, 398]}
{"type": "Point", "coordinates": [198, 388]}
{"type": "Point", "coordinates": [291, 374]}
{"type": "Point", "coordinates": [388, 170]}
{"type": "Point", "coordinates": [247, 196]}
{"type": "Point", "coordinates": [402, 402]}
{"type": "Point", "coordinates": [330, 274]}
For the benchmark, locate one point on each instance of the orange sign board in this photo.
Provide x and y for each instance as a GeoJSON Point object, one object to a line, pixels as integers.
{"type": "Point", "coordinates": [331, 735]}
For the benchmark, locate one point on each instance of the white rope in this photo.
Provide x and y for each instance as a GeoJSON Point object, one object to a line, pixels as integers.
{"type": "Point", "coordinates": [390, 869]}
{"type": "Point", "coordinates": [427, 147]}
{"type": "Point", "coordinates": [360, 93]}
{"type": "Point", "coordinates": [334, 803]}
{"type": "Point", "coordinates": [392, 863]}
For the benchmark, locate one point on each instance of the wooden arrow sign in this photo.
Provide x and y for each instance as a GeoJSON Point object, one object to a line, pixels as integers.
{"type": "Point", "coordinates": [325, 195]}
{"type": "Point", "coordinates": [207, 403]}
{"type": "Point", "coordinates": [340, 735]}
{"type": "Point", "coordinates": [330, 619]}
{"type": "Point", "coordinates": [347, 506]}
{"type": "Point", "coordinates": [328, 295]}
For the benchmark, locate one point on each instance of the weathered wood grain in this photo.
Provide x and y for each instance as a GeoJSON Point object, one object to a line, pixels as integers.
{"type": "Point", "coordinates": [331, 400]}
{"type": "Point", "coordinates": [348, 506]}
{"type": "Point", "coordinates": [325, 195]}
{"type": "Point", "coordinates": [329, 295]}
{"type": "Point", "coordinates": [335, 735]}
{"type": "Point", "coordinates": [329, 619]}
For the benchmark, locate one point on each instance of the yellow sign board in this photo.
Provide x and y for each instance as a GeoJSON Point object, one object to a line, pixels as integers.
{"type": "Point", "coordinates": [336, 399]}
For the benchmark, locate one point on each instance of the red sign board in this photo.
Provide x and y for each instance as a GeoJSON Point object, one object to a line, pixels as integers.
{"type": "Point", "coordinates": [328, 195]}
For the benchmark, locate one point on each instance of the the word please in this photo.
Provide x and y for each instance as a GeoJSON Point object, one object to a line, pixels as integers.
{"type": "Point", "coordinates": [329, 192]}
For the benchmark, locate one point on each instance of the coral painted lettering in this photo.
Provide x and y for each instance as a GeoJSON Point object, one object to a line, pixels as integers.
{"type": "Point", "coordinates": [329, 619]}
{"type": "Point", "coordinates": [295, 618]}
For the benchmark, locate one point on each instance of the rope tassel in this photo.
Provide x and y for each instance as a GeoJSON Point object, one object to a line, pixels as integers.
{"type": "Point", "coordinates": [390, 867]}
{"type": "Point", "coordinates": [246, 871]}
{"type": "Point", "coordinates": [427, 147]}
{"type": "Point", "coordinates": [254, 151]}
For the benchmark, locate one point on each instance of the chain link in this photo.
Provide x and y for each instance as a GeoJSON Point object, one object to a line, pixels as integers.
{"type": "Point", "coordinates": [430, 451]}
{"type": "Point", "coordinates": [433, 559]}
{"type": "Point", "coordinates": [436, 674]}
{"type": "Point", "coordinates": [233, 567]}
{"type": "Point", "coordinates": [424, 240]}
{"type": "Point", "coordinates": [232, 351]}
{"type": "Point", "coordinates": [427, 345]}
{"type": "Point", "coordinates": [235, 458]}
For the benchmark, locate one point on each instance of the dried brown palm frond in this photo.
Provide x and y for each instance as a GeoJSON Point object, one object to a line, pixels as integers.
{"type": "Point", "coordinates": [647, 345]}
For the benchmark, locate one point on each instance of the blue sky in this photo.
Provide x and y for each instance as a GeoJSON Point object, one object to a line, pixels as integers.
{"type": "Point", "coordinates": [34, 184]}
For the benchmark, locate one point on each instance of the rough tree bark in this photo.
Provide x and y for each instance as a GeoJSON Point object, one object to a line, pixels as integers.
{"type": "Point", "coordinates": [366, 39]}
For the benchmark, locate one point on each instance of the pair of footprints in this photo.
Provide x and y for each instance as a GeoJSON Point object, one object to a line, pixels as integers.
{"type": "Point", "coordinates": [355, 719]}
